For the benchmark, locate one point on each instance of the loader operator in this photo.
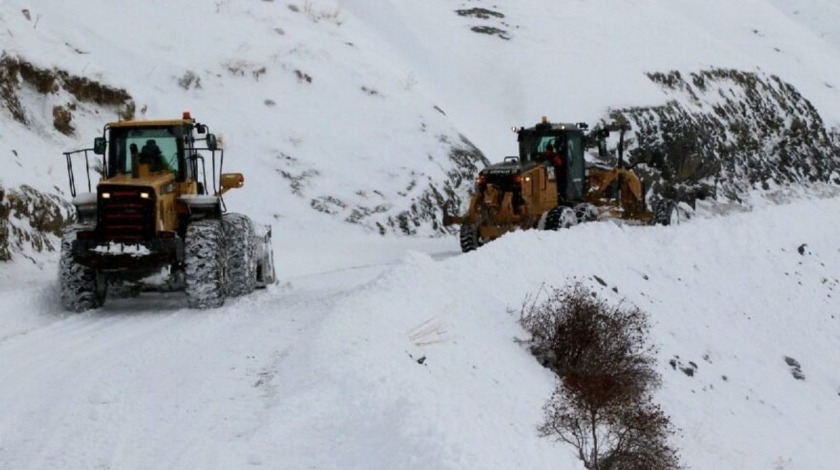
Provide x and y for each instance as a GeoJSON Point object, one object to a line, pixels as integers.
{"type": "Point", "coordinates": [152, 155]}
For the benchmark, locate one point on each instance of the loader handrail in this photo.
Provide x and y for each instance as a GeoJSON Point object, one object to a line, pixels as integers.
{"type": "Point", "coordinates": [71, 175]}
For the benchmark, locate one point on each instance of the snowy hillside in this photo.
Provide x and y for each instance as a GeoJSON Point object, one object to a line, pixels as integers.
{"type": "Point", "coordinates": [356, 118]}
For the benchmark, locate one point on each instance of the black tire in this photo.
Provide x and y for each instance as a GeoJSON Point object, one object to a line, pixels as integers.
{"type": "Point", "coordinates": [240, 258]}
{"type": "Point", "coordinates": [665, 212]}
{"type": "Point", "coordinates": [80, 287]}
{"type": "Point", "coordinates": [469, 238]}
{"type": "Point", "coordinates": [560, 217]}
{"type": "Point", "coordinates": [586, 212]}
{"type": "Point", "coordinates": [204, 259]}
{"type": "Point", "coordinates": [265, 259]}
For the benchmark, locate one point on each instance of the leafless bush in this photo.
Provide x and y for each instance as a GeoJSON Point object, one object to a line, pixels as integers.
{"type": "Point", "coordinates": [189, 79]}
{"type": "Point", "coordinates": [602, 405]}
{"type": "Point", "coordinates": [62, 117]}
{"type": "Point", "coordinates": [611, 436]}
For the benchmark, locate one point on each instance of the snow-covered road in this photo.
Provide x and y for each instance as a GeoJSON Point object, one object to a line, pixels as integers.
{"type": "Point", "coordinates": [401, 353]}
{"type": "Point", "coordinates": [147, 380]}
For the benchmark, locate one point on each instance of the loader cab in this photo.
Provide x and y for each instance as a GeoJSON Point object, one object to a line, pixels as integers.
{"type": "Point", "coordinates": [567, 140]}
{"type": "Point", "coordinates": [128, 145]}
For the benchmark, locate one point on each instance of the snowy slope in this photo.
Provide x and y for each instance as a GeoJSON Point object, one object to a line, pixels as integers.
{"type": "Point", "coordinates": [323, 369]}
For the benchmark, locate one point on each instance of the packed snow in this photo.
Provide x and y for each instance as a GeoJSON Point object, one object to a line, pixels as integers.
{"type": "Point", "coordinates": [382, 352]}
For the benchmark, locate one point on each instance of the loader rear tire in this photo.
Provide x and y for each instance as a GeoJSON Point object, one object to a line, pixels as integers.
{"type": "Point", "coordinates": [240, 258]}
{"type": "Point", "coordinates": [469, 238]}
{"type": "Point", "coordinates": [204, 253]}
{"type": "Point", "coordinates": [560, 217]}
{"type": "Point", "coordinates": [81, 288]}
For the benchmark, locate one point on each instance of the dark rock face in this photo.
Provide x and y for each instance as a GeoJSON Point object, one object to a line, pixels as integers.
{"type": "Point", "coordinates": [16, 72]}
{"type": "Point", "coordinates": [726, 132]}
{"type": "Point", "coordinates": [466, 160]}
{"type": "Point", "coordinates": [29, 219]}
{"type": "Point", "coordinates": [416, 208]}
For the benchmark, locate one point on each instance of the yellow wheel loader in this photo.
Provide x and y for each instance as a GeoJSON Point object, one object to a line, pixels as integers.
{"type": "Point", "coordinates": [152, 222]}
{"type": "Point", "coordinates": [550, 186]}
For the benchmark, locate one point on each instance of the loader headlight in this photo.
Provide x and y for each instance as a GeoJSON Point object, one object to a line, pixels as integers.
{"type": "Point", "coordinates": [106, 195]}
{"type": "Point", "coordinates": [144, 195]}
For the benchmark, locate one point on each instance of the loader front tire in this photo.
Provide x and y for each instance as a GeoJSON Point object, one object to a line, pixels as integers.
{"type": "Point", "coordinates": [81, 288]}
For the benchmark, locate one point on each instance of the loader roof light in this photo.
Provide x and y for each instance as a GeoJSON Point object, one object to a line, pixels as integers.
{"type": "Point", "coordinates": [544, 120]}
{"type": "Point", "coordinates": [186, 116]}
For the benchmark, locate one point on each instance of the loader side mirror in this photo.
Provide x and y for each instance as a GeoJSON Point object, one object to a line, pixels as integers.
{"type": "Point", "coordinates": [212, 143]}
{"type": "Point", "coordinates": [99, 146]}
{"type": "Point", "coordinates": [231, 181]}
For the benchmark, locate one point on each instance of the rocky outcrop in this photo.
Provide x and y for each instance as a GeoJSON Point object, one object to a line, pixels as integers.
{"type": "Point", "coordinates": [30, 221]}
{"type": "Point", "coordinates": [66, 91]}
{"type": "Point", "coordinates": [467, 160]}
{"type": "Point", "coordinates": [416, 207]}
{"type": "Point", "coordinates": [725, 132]}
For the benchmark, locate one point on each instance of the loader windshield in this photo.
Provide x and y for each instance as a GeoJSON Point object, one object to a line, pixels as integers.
{"type": "Point", "coordinates": [165, 141]}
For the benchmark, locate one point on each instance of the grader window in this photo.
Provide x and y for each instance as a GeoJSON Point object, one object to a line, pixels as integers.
{"type": "Point", "coordinates": [555, 142]}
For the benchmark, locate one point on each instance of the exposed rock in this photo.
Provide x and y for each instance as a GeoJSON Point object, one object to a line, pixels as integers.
{"type": "Point", "coordinates": [15, 73]}
{"type": "Point", "coordinates": [726, 132]}
{"type": "Point", "coordinates": [29, 219]}
{"type": "Point", "coordinates": [466, 161]}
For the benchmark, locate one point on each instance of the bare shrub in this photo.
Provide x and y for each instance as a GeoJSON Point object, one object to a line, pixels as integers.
{"type": "Point", "coordinates": [62, 117]}
{"type": "Point", "coordinates": [602, 404]}
{"type": "Point", "coordinates": [611, 436]}
{"type": "Point", "coordinates": [189, 79]}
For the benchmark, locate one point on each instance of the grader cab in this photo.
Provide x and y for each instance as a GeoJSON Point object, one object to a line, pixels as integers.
{"type": "Point", "coordinates": [550, 185]}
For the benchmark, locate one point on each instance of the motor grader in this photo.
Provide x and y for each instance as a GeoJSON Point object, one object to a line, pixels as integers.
{"type": "Point", "coordinates": [152, 222]}
{"type": "Point", "coordinates": [551, 186]}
